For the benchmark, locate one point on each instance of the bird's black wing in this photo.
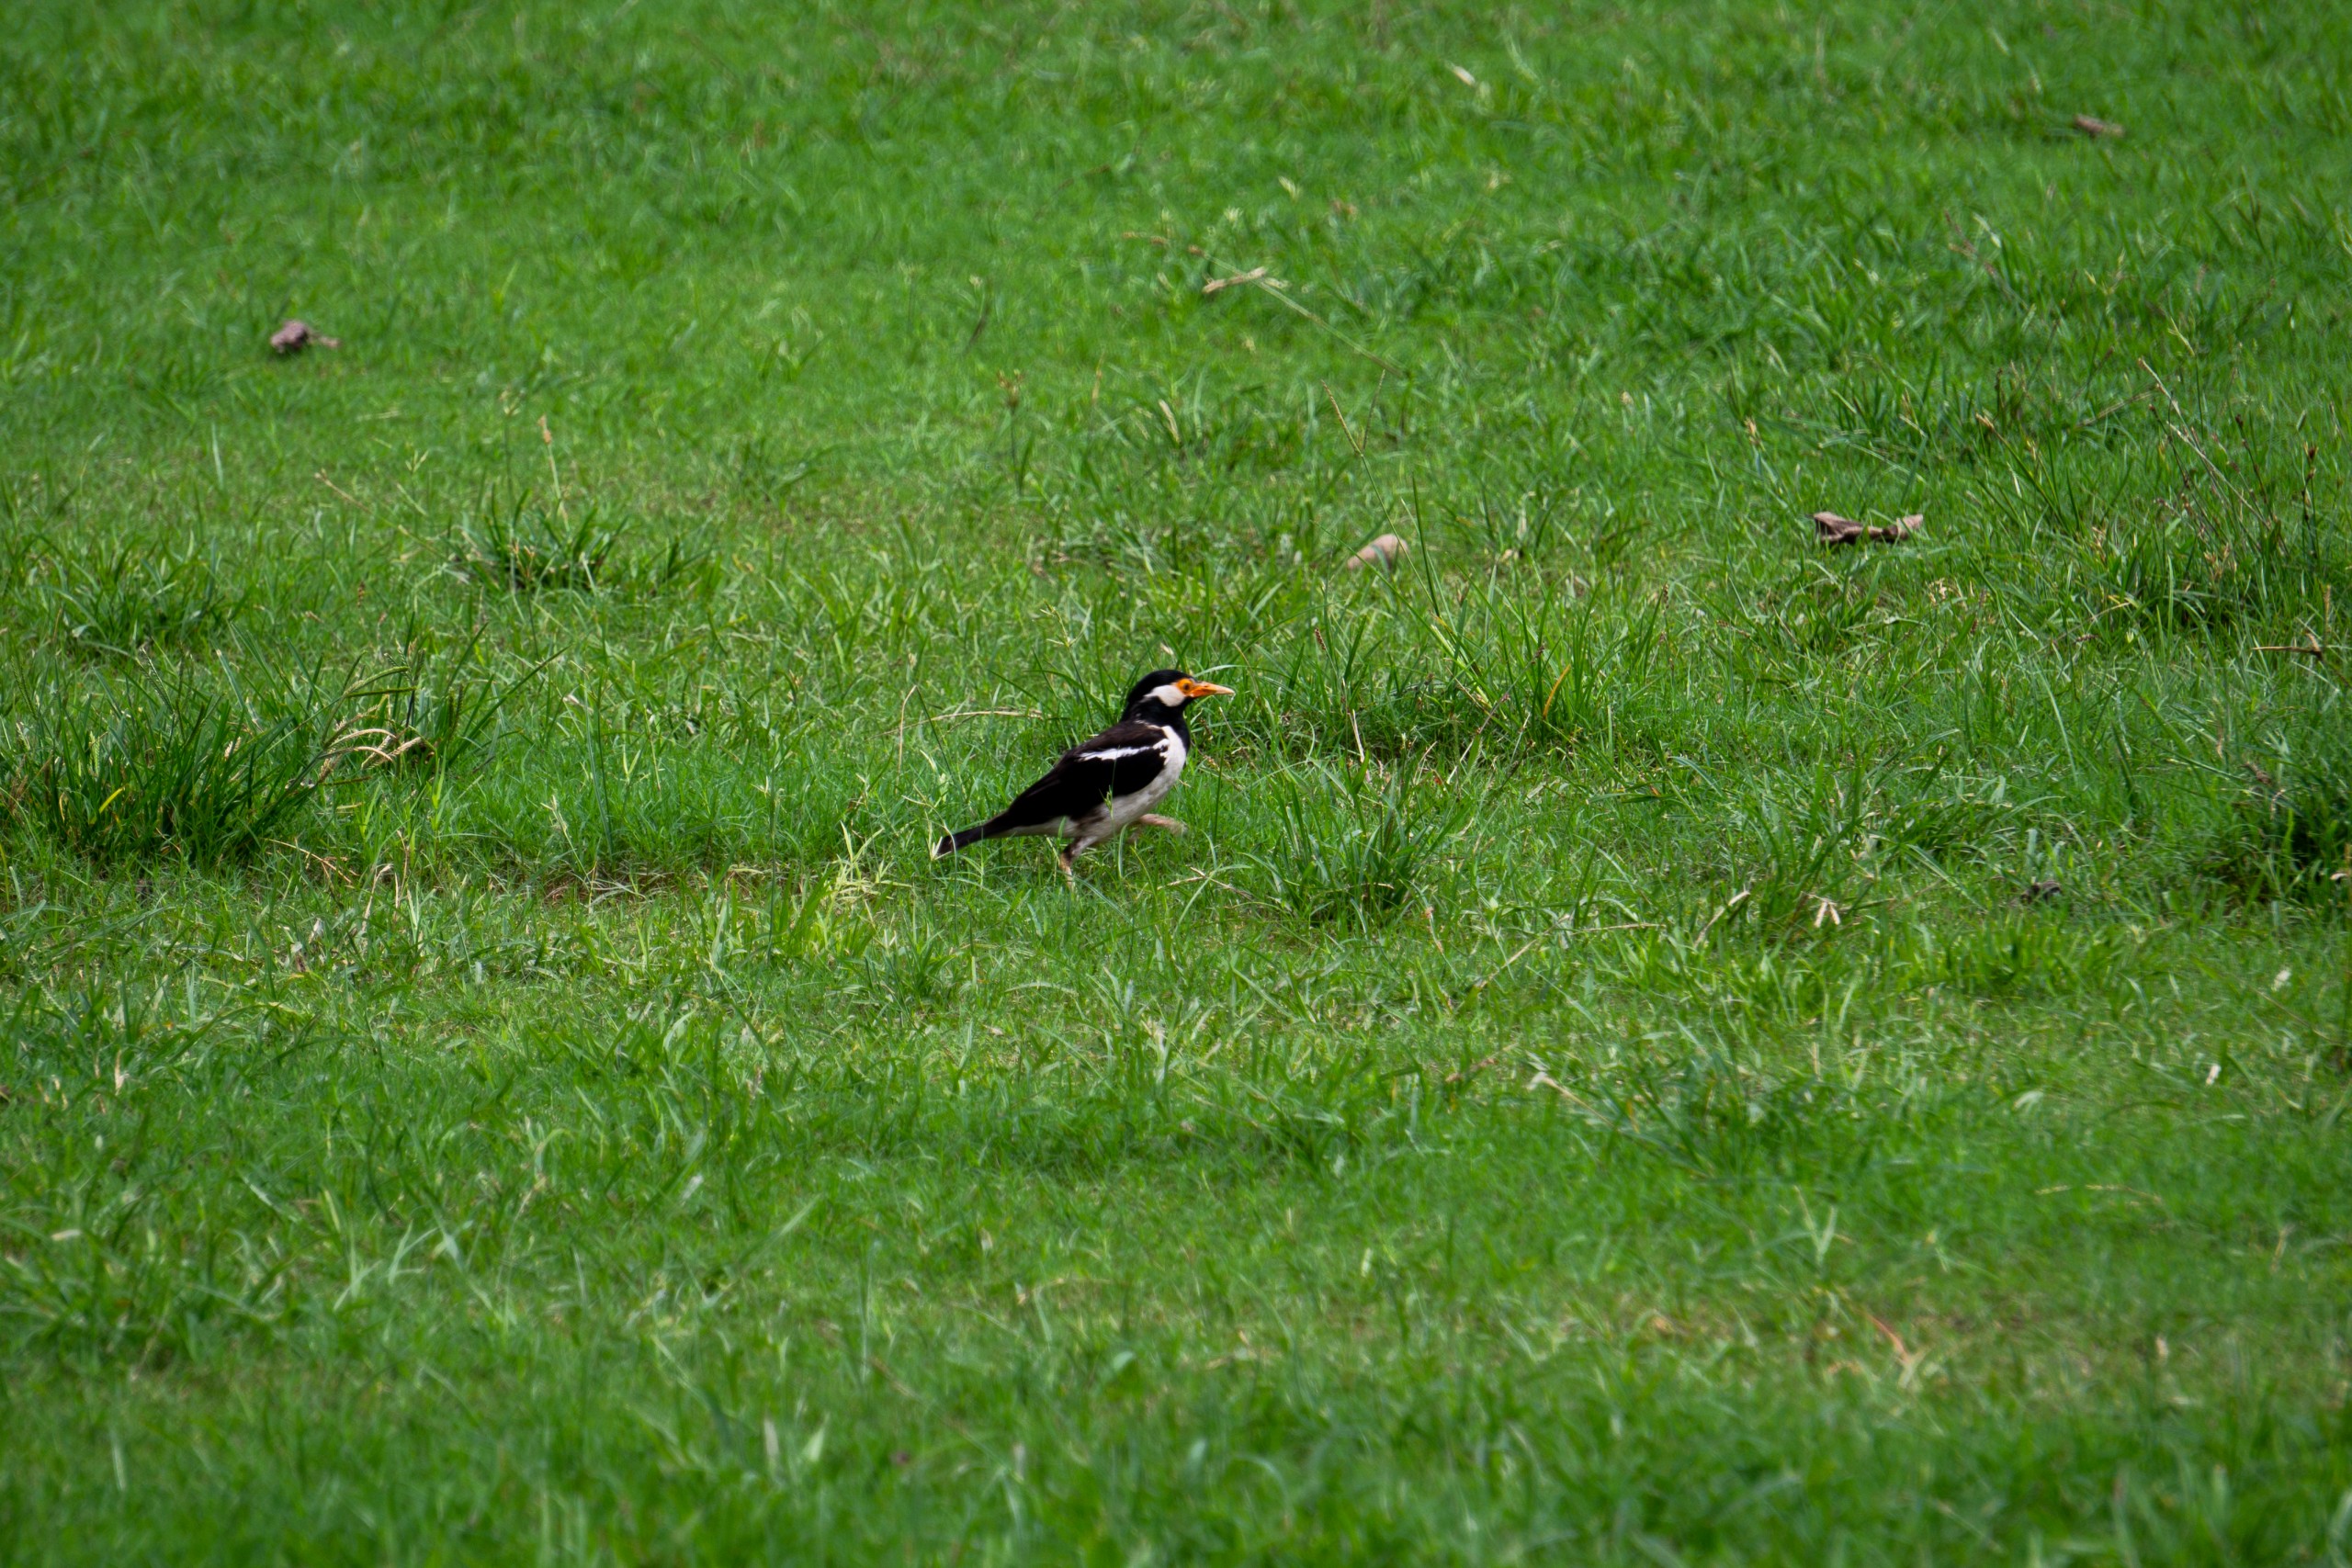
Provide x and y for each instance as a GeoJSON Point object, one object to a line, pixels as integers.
{"type": "Point", "coordinates": [1120, 761]}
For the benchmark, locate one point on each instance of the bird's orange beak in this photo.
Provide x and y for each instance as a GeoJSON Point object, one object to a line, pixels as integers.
{"type": "Point", "coordinates": [1192, 688]}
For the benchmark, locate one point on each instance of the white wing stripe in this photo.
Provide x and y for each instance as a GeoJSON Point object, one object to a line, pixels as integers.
{"type": "Point", "coordinates": [1115, 752]}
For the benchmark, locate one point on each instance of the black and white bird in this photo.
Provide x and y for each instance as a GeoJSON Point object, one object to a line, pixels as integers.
{"type": "Point", "coordinates": [1103, 787]}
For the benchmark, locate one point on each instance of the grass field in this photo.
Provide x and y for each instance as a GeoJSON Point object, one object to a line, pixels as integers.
{"type": "Point", "coordinates": [1667, 1043]}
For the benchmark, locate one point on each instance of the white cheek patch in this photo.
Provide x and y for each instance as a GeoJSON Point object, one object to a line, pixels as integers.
{"type": "Point", "coordinates": [1169, 696]}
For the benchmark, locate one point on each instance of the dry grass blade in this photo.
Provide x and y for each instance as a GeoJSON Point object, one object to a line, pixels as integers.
{"type": "Point", "coordinates": [1273, 289]}
{"type": "Point", "coordinates": [2094, 127]}
{"type": "Point", "coordinates": [375, 744]}
{"type": "Point", "coordinates": [1255, 274]}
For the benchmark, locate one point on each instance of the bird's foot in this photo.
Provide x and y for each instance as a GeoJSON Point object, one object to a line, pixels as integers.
{"type": "Point", "coordinates": [1069, 872]}
{"type": "Point", "coordinates": [1153, 819]}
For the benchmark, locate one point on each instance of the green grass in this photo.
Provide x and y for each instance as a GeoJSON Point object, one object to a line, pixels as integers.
{"type": "Point", "coordinates": [492, 1073]}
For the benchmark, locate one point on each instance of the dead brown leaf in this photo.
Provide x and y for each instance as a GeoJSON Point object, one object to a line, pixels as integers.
{"type": "Point", "coordinates": [1831, 529]}
{"type": "Point", "coordinates": [297, 334]}
{"type": "Point", "coordinates": [2094, 127]}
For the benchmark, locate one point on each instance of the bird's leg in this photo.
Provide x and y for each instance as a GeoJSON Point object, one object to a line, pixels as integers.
{"type": "Point", "coordinates": [1154, 819]}
{"type": "Point", "coordinates": [1069, 873]}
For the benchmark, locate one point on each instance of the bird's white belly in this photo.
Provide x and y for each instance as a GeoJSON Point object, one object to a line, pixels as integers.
{"type": "Point", "coordinates": [1122, 809]}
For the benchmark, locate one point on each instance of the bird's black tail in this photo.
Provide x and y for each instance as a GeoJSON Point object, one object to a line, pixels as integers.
{"type": "Point", "coordinates": [965, 840]}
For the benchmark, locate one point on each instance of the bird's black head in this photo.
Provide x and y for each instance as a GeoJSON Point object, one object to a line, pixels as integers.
{"type": "Point", "coordinates": [1167, 692]}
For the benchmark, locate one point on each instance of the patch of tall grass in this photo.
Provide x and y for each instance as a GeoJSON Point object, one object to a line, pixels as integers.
{"type": "Point", "coordinates": [126, 601]}
{"type": "Point", "coordinates": [191, 762]}
{"type": "Point", "coordinates": [1802, 859]}
{"type": "Point", "coordinates": [2289, 833]}
{"type": "Point", "coordinates": [1355, 845]}
{"type": "Point", "coordinates": [519, 547]}
{"type": "Point", "coordinates": [2241, 534]}
{"type": "Point", "coordinates": [1508, 663]}
{"type": "Point", "coordinates": [439, 705]}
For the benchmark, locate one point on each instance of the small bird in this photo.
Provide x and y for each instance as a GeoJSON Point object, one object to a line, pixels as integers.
{"type": "Point", "coordinates": [1103, 787]}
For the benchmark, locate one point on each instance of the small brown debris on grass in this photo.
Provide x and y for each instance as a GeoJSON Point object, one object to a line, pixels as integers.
{"type": "Point", "coordinates": [2094, 127]}
{"type": "Point", "coordinates": [2043, 892]}
{"type": "Point", "coordinates": [1384, 551]}
{"type": "Point", "coordinates": [1831, 529]}
{"type": "Point", "coordinates": [297, 334]}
